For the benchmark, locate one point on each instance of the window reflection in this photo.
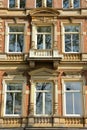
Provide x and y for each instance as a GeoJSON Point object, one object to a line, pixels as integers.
{"type": "Point", "coordinates": [43, 98]}
{"type": "Point", "coordinates": [73, 97]}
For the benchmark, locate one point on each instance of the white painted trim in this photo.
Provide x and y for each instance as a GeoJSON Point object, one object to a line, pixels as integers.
{"type": "Point", "coordinates": [63, 94]}
{"type": "Point", "coordinates": [74, 22]}
{"type": "Point", "coordinates": [19, 80]}
{"type": "Point", "coordinates": [7, 24]}
{"type": "Point", "coordinates": [50, 91]}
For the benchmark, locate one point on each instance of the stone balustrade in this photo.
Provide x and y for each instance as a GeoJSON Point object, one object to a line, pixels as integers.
{"type": "Point", "coordinates": [43, 122]}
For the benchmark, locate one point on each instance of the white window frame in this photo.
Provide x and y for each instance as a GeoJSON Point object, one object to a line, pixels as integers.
{"type": "Point", "coordinates": [71, 4]}
{"type": "Point", "coordinates": [63, 36]}
{"type": "Point", "coordinates": [64, 96]}
{"type": "Point", "coordinates": [44, 91]}
{"type": "Point", "coordinates": [17, 2]}
{"type": "Point", "coordinates": [34, 35]}
{"type": "Point", "coordinates": [7, 36]}
{"type": "Point", "coordinates": [10, 78]}
{"type": "Point", "coordinates": [44, 3]}
{"type": "Point", "coordinates": [15, 91]}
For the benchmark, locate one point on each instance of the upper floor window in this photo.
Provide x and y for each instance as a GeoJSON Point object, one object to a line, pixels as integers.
{"type": "Point", "coordinates": [17, 3]}
{"type": "Point", "coordinates": [13, 99]}
{"type": "Point", "coordinates": [44, 37]}
{"type": "Point", "coordinates": [73, 98]}
{"type": "Point", "coordinates": [15, 38]}
{"type": "Point", "coordinates": [71, 4]}
{"type": "Point", "coordinates": [72, 38]}
{"type": "Point", "coordinates": [43, 3]}
{"type": "Point", "coordinates": [43, 100]}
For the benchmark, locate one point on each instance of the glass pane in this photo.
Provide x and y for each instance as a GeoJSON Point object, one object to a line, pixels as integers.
{"type": "Point", "coordinates": [76, 3]}
{"type": "Point", "coordinates": [49, 3]}
{"type": "Point", "coordinates": [48, 103]}
{"type": "Point", "coordinates": [15, 86]}
{"type": "Point", "coordinates": [12, 40]}
{"type": "Point", "coordinates": [78, 103]}
{"type": "Point", "coordinates": [71, 28]}
{"type": "Point", "coordinates": [73, 86]}
{"type": "Point", "coordinates": [39, 41]}
{"type": "Point", "coordinates": [75, 40]}
{"type": "Point", "coordinates": [69, 103]}
{"type": "Point", "coordinates": [65, 4]}
{"type": "Point", "coordinates": [39, 103]}
{"type": "Point", "coordinates": [16, 29]}
{"type": "Point", "coordinates": [11, 3]}
{"type": "Point", "coordinates": [9, 103]}
{"type": "Point", "coordinates": [20, 42]}
{"type": "Point", "coordinates": [22, 3]}
{"type": "Point", "coordinates": [17, 105]}
{"type": "Point", "coordinates": [48, 41]}
{"type": "Point", "coordinates": [67, 42]}
{"type": "Point", "coordinates": [44, 29]}
{"type": "Point", "coordinates": [38, 3]}
{"type": "Point", "coordinates": [43, 86]}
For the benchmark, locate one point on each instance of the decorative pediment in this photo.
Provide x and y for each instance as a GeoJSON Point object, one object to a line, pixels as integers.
{"type": "Point", "coordinates": [43, 72]}
{"type": "Point", "coordinates": [44, 12]}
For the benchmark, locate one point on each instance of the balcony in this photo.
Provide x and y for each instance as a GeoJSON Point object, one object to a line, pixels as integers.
{"type": "Point", "coordinates": [48, 53]}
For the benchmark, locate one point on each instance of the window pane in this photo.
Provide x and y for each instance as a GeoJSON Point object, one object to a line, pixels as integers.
{"type": "Point", "coordinates": [69, 103]}
{"type": "Point", "coordinates": [39, 103]}
{"type": "Point", "coordinates": [38, 3]}
{"type": "Point", "coordinates": [39, 41]}
{"type": "Point", "coordinates": [11, 3]}
{"type": "Point", "coordinates": [78, 103]}
{"type": "Point", "coordinates": [67, 42]}
{"type": "Point", "coordinates": [12, 40]}
{"type": "Point", "coordinates": [73, 97]}
{"type": "Point", "coordinates": [76, 3]}
{"type": "Point", "coordinates": [48, 103]}
{"type": "Point", "coordinates": [9, 103]}
{"type": "Point", "coordinates": [65, 4]}
{"type": "Point", "coordinates": [20, 42]}
{"type": "Point", "coordinates": [49, 3]}
{"type": "Point", "coordinates": [14, 86]}
{"type": "Point", "coordinates": [17, 105]}
{"type": "Point", "coordinates": [44, 29]}
{"type": "Point", "coordinates": [73, 86]}
{"type": "Point", "coordinates": [48, 41]}
{"type": "Point", "coordinates": [16, 29]}
{"type": "Point", "coordinates": [43, 86]}
{"type": "Point", "coordinates": [72, 28]}
{"type": "Point", "coordinates": [75, 42]}
{"type": "Point", "coordinates": [22, 3]}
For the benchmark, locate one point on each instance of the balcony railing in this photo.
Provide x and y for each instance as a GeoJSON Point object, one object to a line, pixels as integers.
{"type": "Point", "coordinates": [12, 57]}
{"type": "Point", "coordinates": [51, 122]}
{"type": "Point", "coordinates": [48, 53]}
{"type": "Point", "coordinates": [72, 57]}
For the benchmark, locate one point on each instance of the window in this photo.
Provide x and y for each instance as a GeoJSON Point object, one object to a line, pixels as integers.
{"type": "Point", "coordinates": [44, 37]}
{"type": "Point", "coordinates": [16, 3]}
{"type": "Point", "coordinates": [73, 98]}
{"type": "Point", "coordinates": [71, 4]}
{"type": "Point", "coordinates": [43, 3]}
{"type": "Point", "coordinates": [13, 101]}
{"type": "Point", "coordinates": [72, 38]}
{"type": "Point", "coordinates": [16, 38]}
{"type": "Point", "coordinates": [43, 100]}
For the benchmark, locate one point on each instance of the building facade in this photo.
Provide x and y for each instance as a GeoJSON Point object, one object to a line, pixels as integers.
{"type": "Point", "coordinates": [43, 64]}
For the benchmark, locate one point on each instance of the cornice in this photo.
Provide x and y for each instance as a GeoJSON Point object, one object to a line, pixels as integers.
{"type": "Point", "coordinates": [61, 13]}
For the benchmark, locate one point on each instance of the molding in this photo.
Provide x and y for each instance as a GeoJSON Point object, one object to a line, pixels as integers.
{"type": "Point", "coordinates": [44, 12]}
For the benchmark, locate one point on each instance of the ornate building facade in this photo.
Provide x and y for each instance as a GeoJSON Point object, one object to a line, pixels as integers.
{"type": "Point", "coordinates": [43, 64]}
